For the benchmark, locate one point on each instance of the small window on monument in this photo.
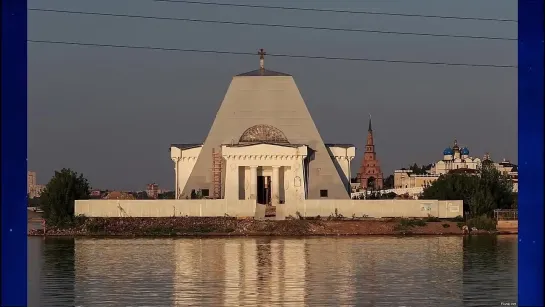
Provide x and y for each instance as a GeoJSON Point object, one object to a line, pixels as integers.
{"type": "Point", "coordinates": [323, 193]}
{"type": "Point", "coordinates": [205, 192]}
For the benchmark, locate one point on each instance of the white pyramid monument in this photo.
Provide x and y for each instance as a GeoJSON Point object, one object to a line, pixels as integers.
{"type": "Point", "coordinates": [264, 98]}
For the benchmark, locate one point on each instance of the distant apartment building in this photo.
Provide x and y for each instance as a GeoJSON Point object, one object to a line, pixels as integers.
{"type": "Point", "coordinates": [95, 193]}
{"type": "Point", "coordinates": [31, 178]}
{"type": "Point", "coordinates": [33, 189]}
{"type": "Point", "coordinates": [152, 190]}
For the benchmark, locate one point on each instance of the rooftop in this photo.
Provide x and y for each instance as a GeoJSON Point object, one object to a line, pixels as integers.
{"type": "Point", "coordinates": [340, 145]}
{"type": "Point", "coordinates": [263, 73]}
{"type": "Point", "coordinates": [186, 146]}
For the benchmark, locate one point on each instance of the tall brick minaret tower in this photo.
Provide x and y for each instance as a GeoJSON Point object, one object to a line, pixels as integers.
{"type": "Point", "coordinates": [370, 175]}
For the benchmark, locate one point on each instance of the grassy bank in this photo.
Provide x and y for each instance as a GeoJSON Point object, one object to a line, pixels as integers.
{"type": "Point", "coordinates": [228, 226]}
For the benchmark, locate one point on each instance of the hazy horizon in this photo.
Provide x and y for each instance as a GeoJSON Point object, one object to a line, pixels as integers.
{"type": "Point", "coordinates": [112, 114]}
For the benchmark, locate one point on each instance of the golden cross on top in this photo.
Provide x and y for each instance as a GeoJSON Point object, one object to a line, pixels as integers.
{"type": "Point", "coordinates": [262, 55]}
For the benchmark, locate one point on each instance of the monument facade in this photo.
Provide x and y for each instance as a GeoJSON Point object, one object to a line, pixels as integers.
{"type": "Point", "coordinates": [263, 145]}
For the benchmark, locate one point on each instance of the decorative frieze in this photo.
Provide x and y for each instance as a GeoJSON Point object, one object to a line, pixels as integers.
{"type": "Point", "coordinates": [264, 157]}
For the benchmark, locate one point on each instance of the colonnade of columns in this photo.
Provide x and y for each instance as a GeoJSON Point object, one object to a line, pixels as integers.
{"type": "Point", "coordinates": [285, 172]}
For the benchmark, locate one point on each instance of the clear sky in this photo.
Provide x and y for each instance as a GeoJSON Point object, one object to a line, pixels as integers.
{"type": "Point", "coordinates": [111, 114]}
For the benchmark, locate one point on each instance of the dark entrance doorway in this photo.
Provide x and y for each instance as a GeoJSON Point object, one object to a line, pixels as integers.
{"type": "Point", "coordinates": [263, 190]}
{"type": "Point", "coordinates": [371, 183]}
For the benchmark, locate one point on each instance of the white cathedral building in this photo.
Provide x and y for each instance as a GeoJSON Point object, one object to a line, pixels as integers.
{"type": "Point", "coordinates": [263, 145]}
{"type": "Point", "coordinates": [455, 158]}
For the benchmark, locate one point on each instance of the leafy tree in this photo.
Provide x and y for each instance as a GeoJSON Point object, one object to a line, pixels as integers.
{"type": "Point", "coordinates": [141, 195]}
{"type": "Point", "coordinates": [167, 195]}
{"type": "Point", "coordinates": [379, 195]}
{"type": "Point", "coordinates": [516, 201]}
{"type": "Point", "coordinates": [390, 195]}
{"type": "Point", "coordinates": [371, 183]}
{"type": "Point", "coordinates": [415, 169]}
{"type": "Point", "coordinates": [389, 182]}
{"type": "Point", "coordinates": [481, 193]}
{"type": "Point", "coordinates": [422, 170]}
{"type": "Point", "coordinates": [59, 196]}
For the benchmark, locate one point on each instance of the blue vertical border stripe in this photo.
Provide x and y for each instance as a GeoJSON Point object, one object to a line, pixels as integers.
{"type": "Point", "coordinates": [14, 153]}
{"type": "Point", "coordinates": [531, 153]}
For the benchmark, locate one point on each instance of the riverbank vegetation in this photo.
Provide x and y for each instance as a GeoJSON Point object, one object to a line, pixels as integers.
{"type": "Point", "coordinates": [229, 226]}
{"type": "Point", "coordinates": [482, 193]}
{"type": "Point", "coordinates": [58, 198]}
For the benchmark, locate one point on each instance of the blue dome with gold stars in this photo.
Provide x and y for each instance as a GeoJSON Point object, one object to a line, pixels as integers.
{"type": "Point", "coordinates": [465, 151]}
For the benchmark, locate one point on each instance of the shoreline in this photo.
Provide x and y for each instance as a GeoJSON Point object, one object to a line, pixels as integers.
{"type": "Point", "coordinates": [226, 235]}
{"type": "Point", "coordinates": [200, 227]}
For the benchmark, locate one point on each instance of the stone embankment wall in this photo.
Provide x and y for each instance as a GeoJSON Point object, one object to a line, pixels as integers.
{"type": "Point", "coordinates": [248, 208]}
{"type": "Point", "coordinates": [377, 208]}
{"type": "Point", "coordinates": [511, 226]}
{"type": "Point", "coordinates": [165, 208]}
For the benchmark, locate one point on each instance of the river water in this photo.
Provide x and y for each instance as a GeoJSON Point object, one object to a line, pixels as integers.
{"type": "Point", "coordinates": [265, 271]}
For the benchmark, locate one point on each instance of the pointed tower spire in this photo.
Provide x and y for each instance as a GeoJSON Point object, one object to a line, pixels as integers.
{"type": "Point", "coordinates": [370, 174]}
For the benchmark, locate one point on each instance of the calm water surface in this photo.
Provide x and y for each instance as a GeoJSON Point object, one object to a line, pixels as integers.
{"type": "Point", "coordinates": [364, 271]}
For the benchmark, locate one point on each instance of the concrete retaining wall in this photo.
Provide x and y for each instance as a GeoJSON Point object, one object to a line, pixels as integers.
{"type": "Point", "coordinates": [508, 226]}
{"type": "Point", "coordinates": [376, 208]}
{"type": "Point", "coordinates": [165, 208]}
{"type": "Point", "coordinates": [248, 208]}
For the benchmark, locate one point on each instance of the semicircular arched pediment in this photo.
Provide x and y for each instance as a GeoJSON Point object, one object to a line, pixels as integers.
{"type": "Point", "coordinates": [263, 133]}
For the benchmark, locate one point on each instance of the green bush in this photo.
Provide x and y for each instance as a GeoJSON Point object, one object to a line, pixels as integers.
{"type": "Point", "coordinates": [408, 223]}
{"type": "Point", "coordinates": [481, 194]}
{"type": "Point", "coordinates": [78, 220]}
{"type": "Point", "coordinates": [58, 197]}
{"type": "Point", "coordinates": [419, 222]}
{"type": "Point", "coordinates": [459, 218]}
{"type": "Point", "coordinates": [95, 226]}
{"type": "Point", "coordinates": [482, 223]}
{"type": "Point", "coordinates": [446, 225]}
{"type": "Point", "coordinates": [432, 218]}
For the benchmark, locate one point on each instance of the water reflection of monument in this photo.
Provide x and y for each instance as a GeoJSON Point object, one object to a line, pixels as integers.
{"type": "Point", "coordinates": [269, 271]}
{"type": "Point", "coordinates": [242, 271]}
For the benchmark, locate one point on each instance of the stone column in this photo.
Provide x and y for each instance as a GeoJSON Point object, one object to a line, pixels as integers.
{"type": "Point", "coordinates": [275, 185]}
{"type": "Point", "coordinates": [253, 182]}
{"type": "Point", "coordinates": [231, 180]}
{"type": "Point", "coordinates": [176, 172]}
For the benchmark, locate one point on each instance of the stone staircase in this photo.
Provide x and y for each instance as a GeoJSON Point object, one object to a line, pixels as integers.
{"type": "Point", "coordinates": [270, 212]}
